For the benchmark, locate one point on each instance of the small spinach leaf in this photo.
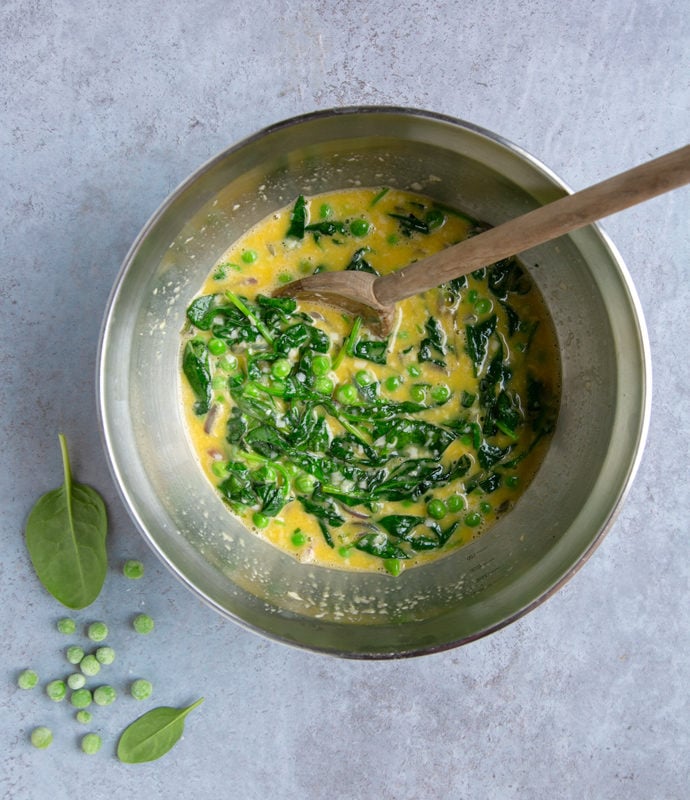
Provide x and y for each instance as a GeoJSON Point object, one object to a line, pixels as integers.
{"type": "Point", "coordinates": [153, 734]}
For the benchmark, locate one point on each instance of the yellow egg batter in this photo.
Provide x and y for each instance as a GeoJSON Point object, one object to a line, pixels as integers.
{"type": "Point", "coordinates": [353, 452]}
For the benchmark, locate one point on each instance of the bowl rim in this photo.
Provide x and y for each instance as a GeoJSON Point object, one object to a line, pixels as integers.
{"type": "Point", "coordinates": [645, 359]}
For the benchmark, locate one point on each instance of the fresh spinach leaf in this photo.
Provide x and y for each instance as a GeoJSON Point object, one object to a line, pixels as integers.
{"type": "Point", "coordinates": [153, 734]}
{"type": "Point", "coordinates": [66, 539]}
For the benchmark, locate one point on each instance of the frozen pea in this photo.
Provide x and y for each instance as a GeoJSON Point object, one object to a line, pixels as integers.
{"type": "Point", "coordinates": [27, 679]}
{"type": "Point", "coordinates": [91, 743]}
{"type": "Point", "coordinates": [81, 698]}
{"type": "Point", "coordinates": [41, 737]}
{"type": "Point", "coordinates": [97, 631]}
{"type": "Point", "coordinates": [76, 681]}
{"type": "Point", "coordinates": [74, 654]}
{"type": "Point", "coordinates": [104, 695]}
{"type": "Point", "coordinates": [89, 665]}
{"type": "Point", "coordinates": [83, 716]}
{"type": "Point", "coordinates": [66, 625]}
{"type": "Point", "coordinates": [105, 655]}
{"type": "Point", "coordinates": [56, 690]}
{"type": "Point", "coordinates": [141, 689]}
{"type": "Point", "coordinates": [143, 623]}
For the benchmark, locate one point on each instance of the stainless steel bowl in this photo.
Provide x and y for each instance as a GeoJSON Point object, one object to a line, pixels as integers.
{"type": "Point", "coordinates": [530, 552]}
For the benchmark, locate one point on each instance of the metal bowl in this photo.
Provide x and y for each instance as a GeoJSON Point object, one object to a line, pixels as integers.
{"type": "Point", "coordinates": [519, 562]}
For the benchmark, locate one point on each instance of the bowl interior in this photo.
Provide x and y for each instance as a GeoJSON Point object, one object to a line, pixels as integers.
{"type": "Point", "coordinates": [529, 552]}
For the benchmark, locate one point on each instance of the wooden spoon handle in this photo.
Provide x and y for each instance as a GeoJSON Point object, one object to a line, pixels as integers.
{"type": "Point", "coordinates": [541, 225]}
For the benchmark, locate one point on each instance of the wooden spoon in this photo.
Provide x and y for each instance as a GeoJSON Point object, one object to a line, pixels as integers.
{"type": "Point", "coordinates": [373, 297]}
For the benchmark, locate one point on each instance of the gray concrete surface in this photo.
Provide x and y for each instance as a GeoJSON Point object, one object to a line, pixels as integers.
{"type": "Point", "coordinates": [105, 108]}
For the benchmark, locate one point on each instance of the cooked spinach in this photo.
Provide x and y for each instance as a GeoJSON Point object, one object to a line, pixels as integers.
{"type": "Point", "coordinates": [343, 456]}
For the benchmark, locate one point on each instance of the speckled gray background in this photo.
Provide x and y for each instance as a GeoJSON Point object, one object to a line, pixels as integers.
{"type": "Point", "coordinates": [105, 108]}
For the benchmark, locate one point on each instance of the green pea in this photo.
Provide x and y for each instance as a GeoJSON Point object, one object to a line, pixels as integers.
{"type": "Point", "coordinates": [76, 681]}
{"type": "Point", "coordinates": [81, 698]}
{"type": "Point", "coordinates": [97, 631]}
{"type": "Point", "coordinates": [325, 211]}
{"type": "Point", "coordinates": [284, 277]}
{"type": "Point", "coordinates": [56, 690]}
{"type": "Point", "coordinates": [472, 295]}
{"type": "Point", "coordinates": [261, 520]}
{"type": "Point", "coordinates": [306, 483]}
{"type": "Point", "coordinates": [105, 655]}
{"type": "Point", "coordinates": [141, 689]}
{"type": "Point", "coordinates": [435, 218]}
{"type": "Point", "coordinates": [66, 625]}
{"type": "Point", "coordinates": [436, 509]}
{"type": "Point", "coordinates": [440, 393]}
{"type": "Point", "coordinates": [133, 569]}
{"type": "Point", "coordinates": [323, 385]}
{"type": "Point", "coordinates": [364, 378]}
{"type": "Point", "coordinates": [393, 566]}
{"type": "Point", "coordinates": [347, 394]}
{"type": "Point", "coordinates": [359, 227]}
{"type": "Point", "coordinates": [27, 679]}
{"type": "Point", "coordinates": [218, 468]}
{"type": "Point", "coordinates": [250, 256]}
{"type": "Point", "coordinates": [298, 538]}
{"type": "Point", "coordinates": [320, 365]}
{"type": "Point", "coordinates": [392, 382]}
{"type": "Point", "coordinates": [74, 654]}
{"type": "Point", "coordinates": [345, 551]}
{"type": "Point", "coordinates": [104, 695]}
{"type": "Point", "coordinates": [142, 623]}
{"type": "Point", "coordinates": [485, 507]}
{"type": "Point", "coordinates": [418, 393]}
{"type": "Point", "coordinates": [414, 371]}
{"type": "Point", "coordinates": [90, 666]}
{"type": "Point", "coordinates": [83, 716]}
{"type": "Point", "coordinates": [393, 238]}
{"type": "Point", "coordinates": [41, 737]}
{"type": "Point", "coordinates": [483, 306]}
{"type": "Point", "coordinates": [473, 519]}
{"type": "Point", "coordinates": [228, 363]}
{"type": "Point", "coordinates": [281, 368]}
{"type": "Point", "coordinates": [91, 743]}
{"type": "Point", "coordinates": [455, 503]}
{"type": "Point", "coordinates": [216, 347]}
{"type": "Point", "coordinates": [512, 481]}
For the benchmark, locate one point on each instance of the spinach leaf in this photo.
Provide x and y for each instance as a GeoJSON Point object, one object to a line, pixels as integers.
{"type": "Point", "coordinates": [298, 219]}
{"type": "Point", "coordinates": [478, 336]}
{"type": "Point", "coordinates": [378, 544]}
{"type": "Point", "coordinates": [195, 365]}
{"type": "Point", "coordinates": [325, 511]}
{"type": "Point", "coordinates": [202, 311]}
{"type": "Point", "coordinates": [410, 224]}
{"type": "Point", "coordinates": [65, 536]}
{"type": "Point", "coordinates": [359, 264]}
{"type": "Point", "coordinates": [326, 228]}
{"type": "Point", "coordinates": [371, 350]}
{"type": "Point", "coordinates": [435, 342]}
{"type": "Point", "coordinates": [237, 487]}
{"type": "Point", "coordinates": [153, 734]}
